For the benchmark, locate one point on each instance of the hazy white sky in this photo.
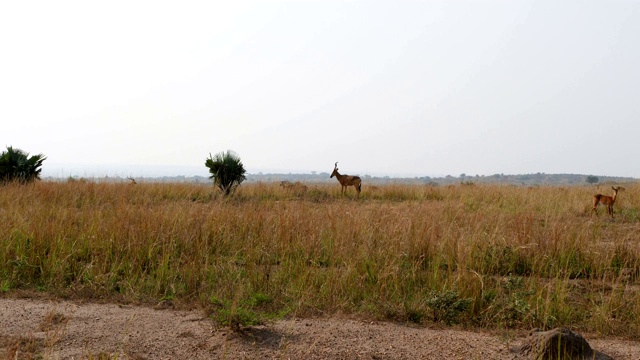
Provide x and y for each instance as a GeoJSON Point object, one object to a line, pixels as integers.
{"type": "Point", "coordinates": [384, 87]}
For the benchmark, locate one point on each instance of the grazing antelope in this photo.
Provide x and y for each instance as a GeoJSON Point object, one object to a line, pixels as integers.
{"type": "Point", "coordinates": [297, 187]}
{"type": "Point", "coordinates": [347, 180]}
{"type": "Point", "coordinates": [607, 201]}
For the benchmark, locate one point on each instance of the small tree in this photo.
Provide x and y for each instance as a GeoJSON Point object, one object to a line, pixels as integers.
{"type": "Point", "coordinates": [17, 165]}
{"type": "Point", "coordinates": [592, 179]}
{"type": "Point", "coordinates": [227, 171]}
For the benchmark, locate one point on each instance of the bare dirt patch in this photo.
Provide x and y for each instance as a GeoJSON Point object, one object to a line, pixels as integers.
{"type": "Point", "coordinates": [36, 328]}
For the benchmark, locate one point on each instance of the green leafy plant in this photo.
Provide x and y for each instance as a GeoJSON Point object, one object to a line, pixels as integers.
{"type": "Point", "coordinates": [514, 307]}
{"type": "Point", "coordinates": [227, 171]}
{"type": "Point", "coordinates": [5, 286]}
{"type": "Point", "coordinates": [238, 314]}
{"type": "Point", "coordinates": [447, 305]}
{"type": "Point", "coordinates": [17, 165]}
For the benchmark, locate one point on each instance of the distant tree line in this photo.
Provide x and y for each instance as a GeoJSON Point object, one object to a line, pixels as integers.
{"type": "Point", "coordinates": [519, 179]}
{"type": "Point", "coordinates": [228, 172]}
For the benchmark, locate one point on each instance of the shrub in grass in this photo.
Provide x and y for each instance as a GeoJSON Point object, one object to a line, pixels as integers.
{"type": "Point", "coordinates": [17, 165]}
{"type": "Point", "coordinates": [447, 305]}
{"type": "Point", "coordinates": [227, 171]}
{"type": "Point", "coordinates": [240, 313]}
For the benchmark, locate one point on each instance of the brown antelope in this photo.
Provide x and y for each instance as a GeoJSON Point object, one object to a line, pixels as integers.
{"type": "Point", "coordinates": [297, 187]}
{"type": "Point", "coordinates": [607, 201]}
{"type": "Point", "coordinates": [133, 181]}
{"type": "Point", "coordinates": [347, 180]}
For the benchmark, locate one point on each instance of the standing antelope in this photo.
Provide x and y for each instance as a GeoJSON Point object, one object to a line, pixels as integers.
{"type": "Point", "coordinates": [607, 201]}
{"type": "Point", "coordinates": [347, 180]}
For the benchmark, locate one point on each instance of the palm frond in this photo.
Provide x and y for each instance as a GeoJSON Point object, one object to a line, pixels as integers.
{"type": "Point", "coordinates": [227, 171]}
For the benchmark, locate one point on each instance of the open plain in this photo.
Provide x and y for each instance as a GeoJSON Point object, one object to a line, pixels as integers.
{"type": "Point", "coordinates": [273, 273]}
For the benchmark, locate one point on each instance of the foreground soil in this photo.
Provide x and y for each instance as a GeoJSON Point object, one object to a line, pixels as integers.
{"type": "Point", "coordinates": [53, 329]}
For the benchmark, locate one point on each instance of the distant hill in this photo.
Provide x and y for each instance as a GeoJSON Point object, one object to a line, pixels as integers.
{"type": "Point", "coordinates": [521, 180]}
{"type": "Point", "coordinates": [524, 179]}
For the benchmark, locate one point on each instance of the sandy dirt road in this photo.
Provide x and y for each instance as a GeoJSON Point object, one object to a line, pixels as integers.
{"type": "Point", "coordinates": [54, 329]}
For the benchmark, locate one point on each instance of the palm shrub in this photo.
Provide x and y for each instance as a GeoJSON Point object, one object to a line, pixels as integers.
{"type": "Point", "coordinates": [17, 165]}
{"type": "Point", "coordinates": [227, 171]}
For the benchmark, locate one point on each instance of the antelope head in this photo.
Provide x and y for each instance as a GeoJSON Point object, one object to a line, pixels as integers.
{"type": "Point", "coordinates": [335, 170]}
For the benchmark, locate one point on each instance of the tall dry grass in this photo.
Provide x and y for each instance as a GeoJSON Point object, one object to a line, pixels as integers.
{"type": "Point", "coordinates": [490, 256]}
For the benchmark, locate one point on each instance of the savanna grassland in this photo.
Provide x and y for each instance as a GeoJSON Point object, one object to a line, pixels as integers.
{"type": "Point", "coordinates": [478, 255]}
